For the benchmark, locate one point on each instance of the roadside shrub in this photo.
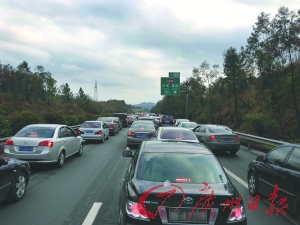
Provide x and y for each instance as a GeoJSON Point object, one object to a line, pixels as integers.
{"type": "Point", "coordinates": [21, 119]}
{"type": "Point", "coordinates": [5, 127]}
{"type": "Point", "coordinates": [72, 120]}
{"type": "Point", "coordinates": [54, 118]}
{"type": "Point", "coordinates": [203, 118]}
{"type": "Point", "coordinates": [260, 124]}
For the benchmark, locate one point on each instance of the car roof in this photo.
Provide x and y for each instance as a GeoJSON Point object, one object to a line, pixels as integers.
{"type": "Point", "coordinates": [45, 125]}
{"type": "Point", "coordinates": [95, 121]}
{"type": "Point", "coordinates": [174, 128]}
{"type": "Point", "coordinates": [142, 121]}
{"type": "Point", "coordinates": [173, 146]}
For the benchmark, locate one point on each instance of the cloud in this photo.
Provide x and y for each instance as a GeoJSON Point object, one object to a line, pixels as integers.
{"type": "Point", "coordinates": [125, 45]}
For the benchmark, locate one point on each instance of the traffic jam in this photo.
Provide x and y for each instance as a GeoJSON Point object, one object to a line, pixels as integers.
{"type": "Point", "coordinates": [174, 175]}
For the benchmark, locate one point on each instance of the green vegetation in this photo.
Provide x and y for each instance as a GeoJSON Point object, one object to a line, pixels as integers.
{"type": "Point", "coordinates": [258, 90]}
{"type": "Point", "coordinates": [28, 97]}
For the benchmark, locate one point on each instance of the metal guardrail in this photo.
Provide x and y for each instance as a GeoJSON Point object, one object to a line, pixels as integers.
{"type": "Point", "coordinates": [2, 140]}
{"type": "Point", "coordinates": [250, 138]}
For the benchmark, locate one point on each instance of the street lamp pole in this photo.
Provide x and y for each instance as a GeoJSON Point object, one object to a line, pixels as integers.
{"type": "Point", "coordinates": [186, 84]}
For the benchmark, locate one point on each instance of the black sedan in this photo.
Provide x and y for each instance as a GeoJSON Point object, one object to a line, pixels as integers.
{"type": "Point", "coordinates": [14, 178]}
{"type": "Point", "coordinates": [170, 182]}
{"type": "Point", "coordinates": [277, 175]}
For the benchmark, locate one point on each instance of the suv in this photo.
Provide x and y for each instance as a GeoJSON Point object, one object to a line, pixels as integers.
{"type": "Point", "coordinates": [166, 121]}
{"type": "Point", "coordinates": [123, 118]}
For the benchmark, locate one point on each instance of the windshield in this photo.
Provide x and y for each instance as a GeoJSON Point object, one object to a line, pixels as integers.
{"type": "Point", "coordinates": [178, 134]}
{"type": "Point", "coordinates": [189, 125]}
{"type": "Point", "coordinates": [36, 132]}
{"type": "Point", "coordinates": [91, 125]}
{"type": "Point", "coordinates": [160, 167]}
{"type": "Point", "coordinates": [105, 119]}
{"type": "Point", "coordinates": [219, 130]}
{"type": "Point", "coordinates": [143, 125]}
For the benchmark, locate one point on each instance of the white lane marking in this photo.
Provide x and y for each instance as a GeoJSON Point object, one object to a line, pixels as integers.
{"type": "Point", "coordinates": [246, 186]}
{"type": "Point", "coordinates": [92, 214]}
{"type": "Point", "coordinates": [236, 178]}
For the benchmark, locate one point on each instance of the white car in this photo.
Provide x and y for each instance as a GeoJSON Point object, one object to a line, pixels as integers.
{"type": "Point", "coordinates": [44, 143]}
{"type": "Point", "coordinates": [189, 125]}
{"type": "Point", "coordinates": [180, 120]}
{"type": "Point", "coordinates": [94, 130]}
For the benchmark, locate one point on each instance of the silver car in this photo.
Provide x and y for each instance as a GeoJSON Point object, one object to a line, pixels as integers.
{"type": "Point", "coordinates": [44, 143]}
{"type": "Point", "coordinates": [218, 138]}
{"type": "Point", "coordinates": [176, 133]}
{"type": "Point", "coordinates": [94, 130]}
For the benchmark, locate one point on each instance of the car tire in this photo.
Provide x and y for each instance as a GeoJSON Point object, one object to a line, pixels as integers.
{"type": "Point", "coordinates": [80, 151]}
{"type": "Point", "coordinates": [19, 187]}
{"type": "Point", "coordinates": [252, 184]}
{"type": "Point", "coordinates": [102, 140]}
{"type": "Point", "coordinates": [61, 160]}
{"type": "Point", "coordinates": [114, 133]}
{"type": "Point", "coordinates": [107, 136]}
{"type": "Point", "coordinates": [121, 219]}
{"type": "Point", "coordinates": [233, 152]}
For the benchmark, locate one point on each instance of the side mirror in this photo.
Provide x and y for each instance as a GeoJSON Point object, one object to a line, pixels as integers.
{"type": "Point", "coordinates": [127, 153]}
{"type": "Point", "coordinates": [3, 162]}
{"type": "Point", "coordinates": [261, 158]}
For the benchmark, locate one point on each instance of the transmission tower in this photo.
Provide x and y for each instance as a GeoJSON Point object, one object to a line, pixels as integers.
{"type": "Point", "coordinates": [95, 92]}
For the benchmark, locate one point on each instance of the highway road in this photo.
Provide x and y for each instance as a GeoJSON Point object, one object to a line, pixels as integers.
{"type": "Point", "coordinates": [86, 190]}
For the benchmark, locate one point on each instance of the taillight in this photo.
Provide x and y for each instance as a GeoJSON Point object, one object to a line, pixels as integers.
{"type": "Point", "coordinates": [112, 125]}
{"type": "Point", "coordinates": [98, 132]}
{"type": "Point", "coordinates": [131, 133]}
{"type": "Point", "coordinates": [236, 214]}
{"type": "Point", "coordinates": [78, 132]}
{"type": "Point", "coordinates": [9, 142]}
{"type": "Point", "coordinates": [238, 138]}
{"type": "Point", "coordinates": [153, 134]}
{"type": "Point", "coordinates": [46, 143]}
{"type": "Point", "coordinates": [212, 137]}
{"type": "Point", "coordinates": [160, 121]}
{"type": "Point", "coordinates": [135, 210]}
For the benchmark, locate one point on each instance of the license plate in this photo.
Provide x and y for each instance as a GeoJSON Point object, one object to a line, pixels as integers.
{"type": "Point", "coordinates": [89, 131]}
{"type": "Point", "coordinates": [167, 121]}
{"type": "Point", "coordinates": [184, 215]}
{"type": "Point", "coordinates": [25, 149]}
{"type": "Point", "coordinates": [226, 140]}
{"type": "Point", "coordinates": [141, 135]}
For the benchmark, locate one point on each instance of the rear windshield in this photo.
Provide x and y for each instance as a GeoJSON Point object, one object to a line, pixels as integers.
{"type": "Point", "coordinates": [189, 125]}
{"type": "Point", "coordinates": [219, 130]}
{"type": "Point", "coordinates": [36, 132]}
{"type": "Point", "coordinates": [91, 125]}
{"type": "Point", "coordinates": [178, 134]}
{"type": "Point", "coordinates": [123, 116]}
{"type": "Point", "coordinates": [146, 119]}
{"type": "Point", "coordinates": [105, 119]}
{"type": "Point", "coordinates": [143, 125]}
{"type": "Point", "coordinates": [196, 168]}
{"type": "Point", "coordinates": [167, 117]}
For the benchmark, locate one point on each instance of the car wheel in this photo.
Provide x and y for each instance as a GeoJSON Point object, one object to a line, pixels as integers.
{"type": "Point", "coordinates": [233, 152]}
{"type": "Point", "coordinates": [102, 140]}
{"type": "Point", "coordinates": [121, 219]}
{"type": "Point", "coordinates": [118, 131]}
{"type": "Point", "coordinates": [80, 151]}
{"type": "Point", "coordinates": [19, 188]}
{"type": "Point", "coordinates": [252, 184]}
{"type": "Point", "coordinates": [107, 136]}
{"type": "Point", "coordinates": [61, 160]}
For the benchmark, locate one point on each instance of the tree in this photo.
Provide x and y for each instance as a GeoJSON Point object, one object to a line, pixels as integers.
{"type": "Point", "coordinates": [232, 71]}
{"type": "Point", "coordinates": [65, 92]}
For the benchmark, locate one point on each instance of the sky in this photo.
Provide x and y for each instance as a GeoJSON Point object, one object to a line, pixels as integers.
{"type": "Point", "coordinates": [125, 45]}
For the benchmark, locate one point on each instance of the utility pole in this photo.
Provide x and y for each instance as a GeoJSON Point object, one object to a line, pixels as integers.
{"type": "Point", "coordinates": [186, 84]}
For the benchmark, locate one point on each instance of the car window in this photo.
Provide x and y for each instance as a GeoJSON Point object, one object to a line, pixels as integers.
{"type": "Point", "coordinates": [178, 134]}
{"type": "Point", "coordinates": [202, 129]}
{"type": "Point", "coordinates": [278, 155]}
{"type": "Point", "coordinates": [143, 125]}
{"type": "Point", "coordinates": [197, 129]}
{"type": "Point", "coordinates": [105, 119]}
{"type": "Point", "coordinates": [167, 118]}
{"type": "Point", "coordinates": [62, 132]}
{"type": "Point", "coordinates": [219, 130]}
{"type": "Point", "coordinates": [196, 168]}
{"type": "Point", "coordinates": [293, 162]}
{"type": "Point", "coordinates": [70, 132]}
{"type": "Point", "coordinates": [91, 125]}
{"type": "Point", "coordinates": [36, 132]}
{"type": "Point", "coordinates": [189, 125]}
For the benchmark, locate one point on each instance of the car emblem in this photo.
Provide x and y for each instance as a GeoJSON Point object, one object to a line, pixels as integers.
{"type": "Point", "coordinates": [188, 200]}
{"type": "Point", "coordinates": [25, 143]}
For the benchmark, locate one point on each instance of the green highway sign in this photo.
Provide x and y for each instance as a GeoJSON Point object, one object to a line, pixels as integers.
{"type": "Point", "coordinates": [174, 74]}
{"type": "Point", "coordinates": [170, 86]}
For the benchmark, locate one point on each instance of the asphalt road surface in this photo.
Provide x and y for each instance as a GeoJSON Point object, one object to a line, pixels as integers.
{"type": "Point", "coordinates": [86, 190]}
